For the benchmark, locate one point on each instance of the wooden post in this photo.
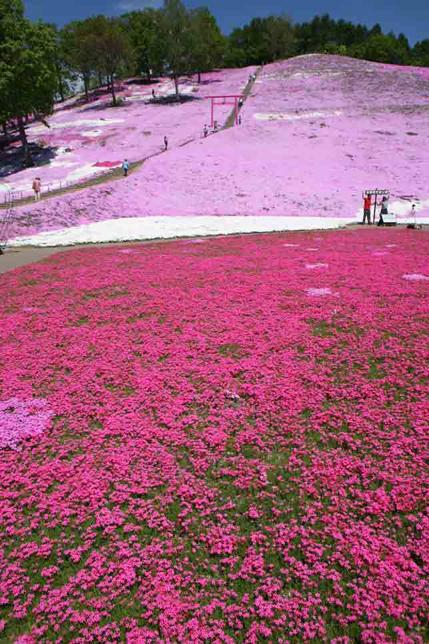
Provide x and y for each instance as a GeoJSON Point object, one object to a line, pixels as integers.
{"type": "Point", "coordinates": [375, 206]}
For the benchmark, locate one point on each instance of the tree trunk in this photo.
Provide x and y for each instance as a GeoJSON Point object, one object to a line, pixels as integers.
{"type": "Point", "coordinates": [5, 132]}
{"type": "Point", "coordinates": [176, 87]}
{"type": "Point", "coordinates": [24, 141]}
{"type": "Point", "coordinates": [60, 83]}
{"type": "Point", "coordinates": [100, 79]}
{"type": "Point", "coordinates": [85, 83]}
{"type": "Point", "coordinates": [199, 78]}
{"type": "Point", "coordinates": [113, 90]}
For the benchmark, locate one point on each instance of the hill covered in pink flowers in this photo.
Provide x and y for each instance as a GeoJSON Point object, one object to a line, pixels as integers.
{"type": "Point", "coordinates": [316, 130]}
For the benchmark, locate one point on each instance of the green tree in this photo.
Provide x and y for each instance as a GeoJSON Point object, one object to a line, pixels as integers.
{"type": "Point", "coordinates": [208, 43]}
{"type": "Point", "coordinates": [144, 29]}
{"type": "Point", "coordinates": [79, 48]}
{"type": "Point", "coordinates": [263, 40]}
{"type": "Point", "coordinates": [279, 38]}
{"type": "Point", "coordinates": [383, 49]}
{"type": "Point", "coordinates": [420, 53]}
{"type": "Point", "coordinates": [28, 80]}
{"type": "Point", "coordinates": [177, 30]}
{"type": "Point", "coordinates": [112, 50]}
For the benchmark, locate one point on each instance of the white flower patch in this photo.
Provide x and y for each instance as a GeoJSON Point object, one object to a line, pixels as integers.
{"type": "Point", "coordinates": [415, 277]}
{"type": "Point", "coordinates": [284, 116]}
{"type": "Point", "coordinates": [319, 292]}
{"type": "Point", "coordinates": [314, 266]}
{"type": "Point", "coordinates": [75, 124]}
{"type": "Point", "coordinates": [291, 245]}
{"type": "Point", "coordinates": [93, 134]}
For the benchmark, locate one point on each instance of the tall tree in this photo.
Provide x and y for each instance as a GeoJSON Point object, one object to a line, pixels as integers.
{"type": "Point", "coordinates": [79, 51]}
{"type": "Point", "coordinates": [144, 30]}
{"type": "Point", "coordinates": [279, 38]}
{"type": "Point", "coordinates": [208, 43]}
{"type": "Point", "coordinates": [28, 80]}
{"type": "Point", "coordinates": [177, 30]}
{"type": "Point", "coordinates": [420, 53]}
{"type": "Point", "coordinates": [112, 50]}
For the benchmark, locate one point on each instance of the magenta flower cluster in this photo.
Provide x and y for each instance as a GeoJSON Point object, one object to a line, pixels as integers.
{"type": "Point", "coordinates": [238, 447]}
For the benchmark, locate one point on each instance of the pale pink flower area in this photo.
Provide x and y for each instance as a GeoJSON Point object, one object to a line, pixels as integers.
{"type": "Point", "coordinates": [308, 146]}
{"type": "Point", "coordinates": [415, 277]}
{"type": "Point", "coordinates": [20, 420]}
{"type": "Point", "coordinates": [230, 460]}
{"type": "Point", "coordinates": [315, 266]}
{"type": "Point", "coordinates": [318, 292]}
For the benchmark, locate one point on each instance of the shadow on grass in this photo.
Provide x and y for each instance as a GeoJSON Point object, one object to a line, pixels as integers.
{"type": "Point", "coordinates": [12, 159]}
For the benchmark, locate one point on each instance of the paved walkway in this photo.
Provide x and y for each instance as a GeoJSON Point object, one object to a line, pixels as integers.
{"type": "Point", "coordinates": [15, 258]}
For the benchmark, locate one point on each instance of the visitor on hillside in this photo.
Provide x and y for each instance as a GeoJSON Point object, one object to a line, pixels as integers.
{"type": "Point", "coordinates": [384, 210]}
{"type": "Point", "coordinates": [165, 143]}
{"type": "Point", "coordinates": [37, 188]}
{"type": "Point", "coordinates": [239, 119]}
{"type": "Point", "coordinates": [366, 208]}
{"type": "Point", "coordinates": [153, 93]}
{"type": "Point", "coordinates": [240, 103]}
{"type": "Point", "coordinates": [206, 131]}
{"type": "Point", "coordinates": [125, 167]}
{"type": "Point", "coordinates": [215, 126]}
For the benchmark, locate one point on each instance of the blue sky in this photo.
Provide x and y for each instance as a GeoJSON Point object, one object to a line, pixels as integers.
{"type": "Point", "coordinates": [409, 16]}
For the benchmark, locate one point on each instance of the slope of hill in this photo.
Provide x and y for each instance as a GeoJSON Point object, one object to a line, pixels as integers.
{"type": "Point", "coordinates": [84, 139]}
{"type": "Point", "coordinates": [316, 131]}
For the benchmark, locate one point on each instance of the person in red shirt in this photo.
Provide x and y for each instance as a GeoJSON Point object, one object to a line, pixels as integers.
{"type": "Point", "coordinates": [366, 208]}
{"type": "Point", "coordinates": [37, 188]}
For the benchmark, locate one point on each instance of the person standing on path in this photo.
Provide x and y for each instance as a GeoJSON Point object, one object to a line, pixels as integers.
{"type": "Point", "coordinates": [366, 208]}
{"type": "Point", "coordinates": [165, 143]}
{"type": "Point", "coordinates": [37, 188]}
{"type": "Point", "coordinates": [384, 210]}
{"type": "Point", "coordinates": [206, 131]}
{"type": "Point", "coordinates": [125, 167]}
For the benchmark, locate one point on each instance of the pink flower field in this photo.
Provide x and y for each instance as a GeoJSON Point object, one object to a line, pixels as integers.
{"type": "Point", "coordinates": [316, 131]}
{"type": "Point", "coordinates": [222, 441]}
{"type": "Point", "coordinates": [87, 139]}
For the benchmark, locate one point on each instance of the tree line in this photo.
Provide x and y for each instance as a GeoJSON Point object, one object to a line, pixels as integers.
{"type": "Point", "coordinates": [40, 63]}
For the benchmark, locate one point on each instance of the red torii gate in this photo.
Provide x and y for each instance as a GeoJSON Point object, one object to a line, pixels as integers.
{"type": "Point", "coordinates": [229, 99]}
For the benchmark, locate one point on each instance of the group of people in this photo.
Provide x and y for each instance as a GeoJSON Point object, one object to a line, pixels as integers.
{"type": "Point", "coordinates": [368, 203]}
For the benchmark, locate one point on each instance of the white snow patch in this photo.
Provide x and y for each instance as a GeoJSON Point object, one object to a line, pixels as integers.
{"type": "Point", "coordinates": [141, 228]}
